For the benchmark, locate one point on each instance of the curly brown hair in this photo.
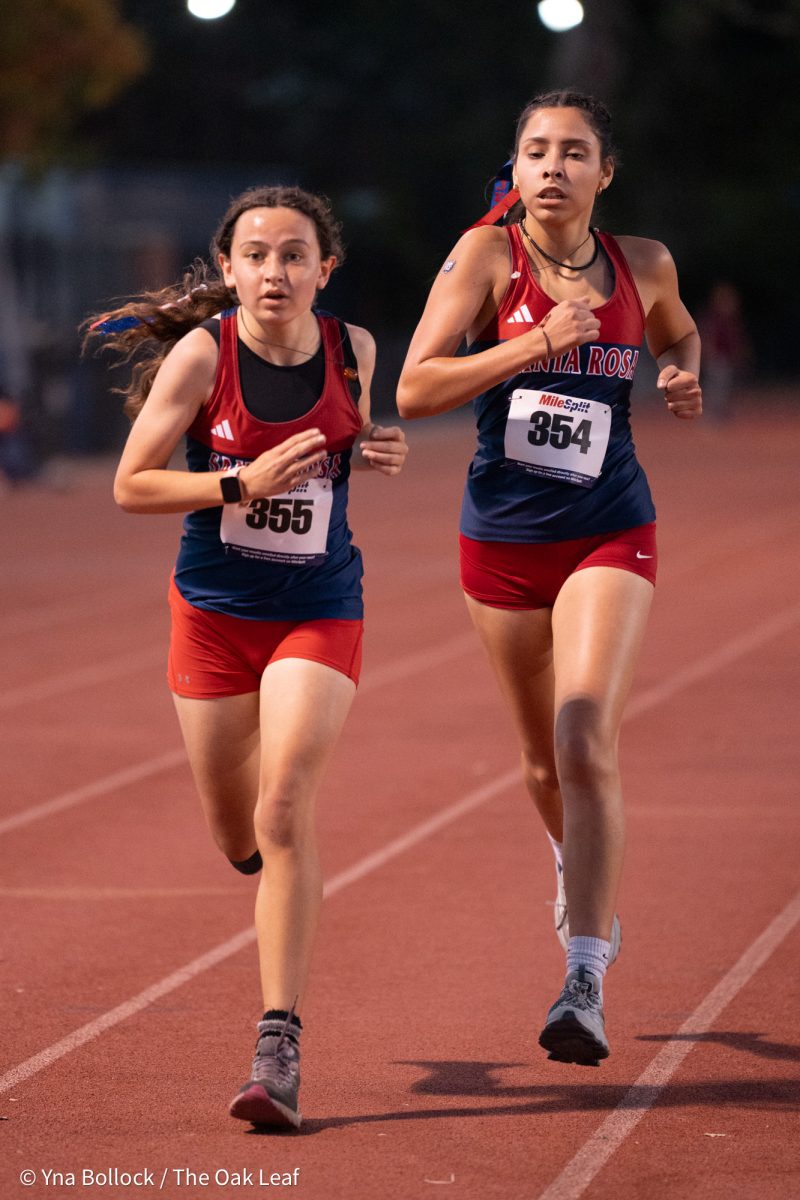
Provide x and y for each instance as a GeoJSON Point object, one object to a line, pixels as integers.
{"type": "Point", "coordinates": [144, 329]}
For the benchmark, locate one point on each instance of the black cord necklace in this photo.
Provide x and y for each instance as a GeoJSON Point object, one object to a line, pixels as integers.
{"type": "Point", "coordinates": [278, 345]}
{"type": "Point", "coordinates": [556, 261]}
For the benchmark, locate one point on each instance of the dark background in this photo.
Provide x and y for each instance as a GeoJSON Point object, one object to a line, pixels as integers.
{"type": "Point", "coordinates": [400, 114]}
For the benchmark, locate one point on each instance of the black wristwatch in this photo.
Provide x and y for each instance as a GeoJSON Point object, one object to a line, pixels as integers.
{"type": "Point", "coordinates": [231, 488]}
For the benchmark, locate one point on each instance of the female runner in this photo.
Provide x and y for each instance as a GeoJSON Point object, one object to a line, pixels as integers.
{"type": "Point", "coordinates": [558, 550]}
{"type": "Point", "coordinates": [266, 595]}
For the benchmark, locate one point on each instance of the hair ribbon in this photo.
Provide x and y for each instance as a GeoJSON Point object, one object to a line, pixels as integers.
{"type": "Point", "coordinates": [503, 197]}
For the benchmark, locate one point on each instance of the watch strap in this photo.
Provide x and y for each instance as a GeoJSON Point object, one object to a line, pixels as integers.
{"type": "Point", "coordinates": [230, 487]}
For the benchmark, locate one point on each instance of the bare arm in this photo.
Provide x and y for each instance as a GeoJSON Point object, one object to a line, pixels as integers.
{"type": "Point", "coordinates": [671, 333]}
{"type": "Point", "coordinates": [143, 483]}
{"type": "Point", "coordinates": [383, 448]}
{"type": "Point", "coordinates": [461, 301]}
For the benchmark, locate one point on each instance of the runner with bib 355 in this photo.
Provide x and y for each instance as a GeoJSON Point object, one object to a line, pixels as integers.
{"type": "Point", "coordinates": [271, 396]}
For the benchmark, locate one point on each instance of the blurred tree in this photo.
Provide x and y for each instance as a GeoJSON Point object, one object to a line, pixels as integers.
{"type": "Point", "coordinates": [401, 113]}
{"type": "Point", "coordinates": [58, 59]}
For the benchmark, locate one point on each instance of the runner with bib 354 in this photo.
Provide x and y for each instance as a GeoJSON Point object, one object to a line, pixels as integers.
{"type": "Point", "coordinates": [558, 552]}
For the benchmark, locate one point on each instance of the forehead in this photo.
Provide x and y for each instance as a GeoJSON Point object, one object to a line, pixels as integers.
{"type": "Point", "coordinates": [274, 225]}
{"type": "Point", "coordinates": [559, 124]}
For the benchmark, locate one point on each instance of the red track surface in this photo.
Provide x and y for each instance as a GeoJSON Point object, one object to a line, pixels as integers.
{"type": "Point", "coordinates": [437, 959]}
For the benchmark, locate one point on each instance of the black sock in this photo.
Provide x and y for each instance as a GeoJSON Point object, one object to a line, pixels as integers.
{"type": "Point", "coordinates": [280, 1014]}
{"type": "Point", "coordinates": [249, 866]}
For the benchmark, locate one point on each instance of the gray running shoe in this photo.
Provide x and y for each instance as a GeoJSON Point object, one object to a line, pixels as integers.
{"type": "Point", "coordinates": [561, 919]}
{"type": "Point", "coordinates": [270, 1096]}
{"type": "Point", "coordinates": [574, 1031]}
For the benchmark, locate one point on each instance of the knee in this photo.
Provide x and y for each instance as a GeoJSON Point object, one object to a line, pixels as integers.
{"type": "Point", "coordinates": [540, 775]}
{"type": "Point", "coordinates": [586, 751]}
{"type": "Point", "coordinates": [278, 820]}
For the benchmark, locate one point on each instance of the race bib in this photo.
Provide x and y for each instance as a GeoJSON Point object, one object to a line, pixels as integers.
{"type": "Point", "coordinates": [290, 528]}
{"type": "Point", "coordinates": [557, 437]}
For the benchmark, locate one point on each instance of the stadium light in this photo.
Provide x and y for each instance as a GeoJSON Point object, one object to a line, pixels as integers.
{"type": "Point", "coordinates": [209, 10]}
{"type": "Point", "coordinates": [560, 15]}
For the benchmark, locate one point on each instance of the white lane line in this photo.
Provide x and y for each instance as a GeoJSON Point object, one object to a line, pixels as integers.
{"type": "Point", "coordinates": [95, 603]}
{"type": "Point", "coordinates": [113, 893]}
{"type": "Point", "coordinates": [100, 787]}
{"type": "Point", "coordinates": [640, 703]}
{"type": "Point", "coordinates": [128, 664]}
{"type": "Point", "coordinates": [728, 653]}
{"type": "Point", "coordinates": [57, 612]}
{"type": "Point", "coordinates": [410, 664]}
{"type": "Point", "coordinates": [421, 660]}
{"type": "Point", "coordinates": [372, 862]}
{"type": "Point", "coordinates": [639, 1099]}
{"type": "Point", "coordinates": [86, 1033]}
{"type": "Point", "coordinates": [83, 677]}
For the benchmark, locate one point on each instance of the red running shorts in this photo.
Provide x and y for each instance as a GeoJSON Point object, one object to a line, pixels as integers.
{"type": "Point", "coordinates": [212, 654]}
{"type": "Point", "coordinates": [525, 575]}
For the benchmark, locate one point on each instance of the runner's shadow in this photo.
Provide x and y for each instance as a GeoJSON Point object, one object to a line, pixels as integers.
{"type": "Point", "coordinates": [561, 1095]}
{"type": "Point", "coordinates": [749, 1043]}
{"type": "Point", "coordinates": [456, 1078]}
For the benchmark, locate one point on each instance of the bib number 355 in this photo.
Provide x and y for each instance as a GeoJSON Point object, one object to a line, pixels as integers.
{"type": "Point", "coordinates": [557, 437]}
{"type": "Point", "coordinates": [291, 528]}
{"type": "Point", "coordinates": [280, 514]}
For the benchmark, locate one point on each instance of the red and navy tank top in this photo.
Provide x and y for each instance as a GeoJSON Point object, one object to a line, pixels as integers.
{"type": "Point", "coordinates": [288, 557]}
{"type": "Point", "coordinates": [555, 457]}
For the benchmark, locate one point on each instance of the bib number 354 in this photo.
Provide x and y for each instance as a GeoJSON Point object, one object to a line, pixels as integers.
{"type": "Point", "coordinates": [557, 437]}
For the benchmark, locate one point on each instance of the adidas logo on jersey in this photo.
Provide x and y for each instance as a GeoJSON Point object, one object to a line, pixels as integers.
{"type": "Point", "coordinates": [522, 317]}
{"type": "Point", "coordinates": [223, 430]}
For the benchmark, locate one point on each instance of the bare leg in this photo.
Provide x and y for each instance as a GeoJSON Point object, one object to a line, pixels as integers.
{"type": "Point", "coordinates": [565, 675]}
{"type": "Point", "coordinates": [222, 741]}
{"type": "Point", "coordinates": [303, 708]}
{"type": "Point", "coordinates": [520, 648]}
{"type": "Point", "coordinates": [258, 760]}
{"type": "Point", "coordinates": [599, 620]}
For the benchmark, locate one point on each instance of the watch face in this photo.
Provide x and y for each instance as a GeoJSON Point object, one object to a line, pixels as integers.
{"type": "Point", "coordinates": [231, 488]}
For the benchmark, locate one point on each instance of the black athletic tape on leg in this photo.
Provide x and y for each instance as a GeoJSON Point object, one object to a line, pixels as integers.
{"type": "Point", "coordinates": [249, 866]}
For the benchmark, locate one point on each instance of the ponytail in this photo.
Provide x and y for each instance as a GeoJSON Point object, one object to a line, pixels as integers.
{"type": "Point", "coordinates": [145, 330]}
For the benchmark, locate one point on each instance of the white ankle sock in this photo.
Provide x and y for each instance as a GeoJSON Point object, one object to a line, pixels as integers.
{"type": "Point", "coordinates": [588, 952]}
{"type": "Point", "coordinates": [558, 850]}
